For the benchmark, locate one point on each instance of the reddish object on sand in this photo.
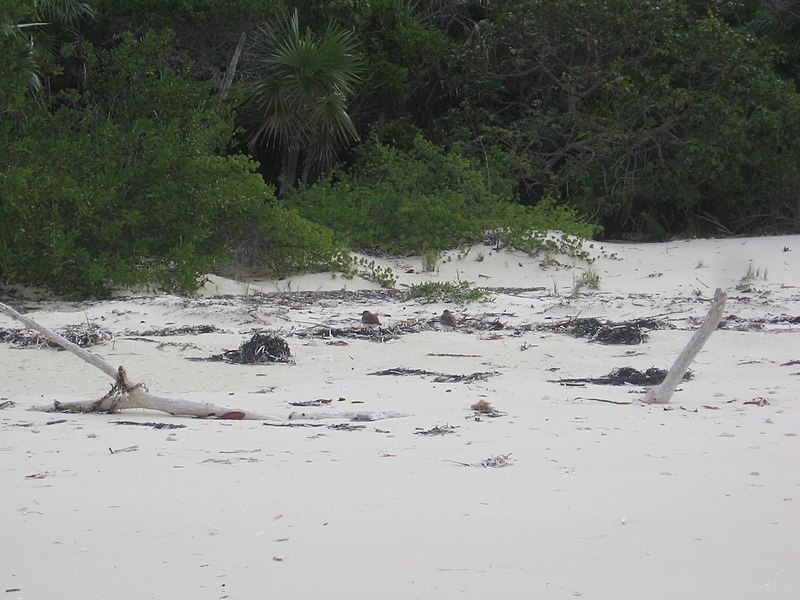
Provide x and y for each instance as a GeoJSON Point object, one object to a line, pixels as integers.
{"type": "Point", "coordinates": [234, 414]}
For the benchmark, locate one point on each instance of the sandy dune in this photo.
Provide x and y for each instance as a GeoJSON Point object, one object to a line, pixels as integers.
{"type": "Point", "coordinates": [700, 499]}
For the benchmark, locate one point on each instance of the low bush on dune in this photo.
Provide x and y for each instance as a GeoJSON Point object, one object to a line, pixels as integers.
{"type": "Point", "coordinates": [425, 197]}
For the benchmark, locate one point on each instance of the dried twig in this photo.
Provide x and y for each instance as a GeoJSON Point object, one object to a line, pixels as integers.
{"type": "Point", "coordinates": [499, 461]}
{"type": "Point", "coordinates": [437, 377]}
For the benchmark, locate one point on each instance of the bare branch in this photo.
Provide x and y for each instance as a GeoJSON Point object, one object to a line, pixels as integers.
{"type": "Point", "coordinates": [661, 393]}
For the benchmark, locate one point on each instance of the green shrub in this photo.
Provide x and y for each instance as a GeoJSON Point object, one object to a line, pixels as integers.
{"type": "Point", "coordinates": [545, 227]}
{"type": "Point", "coordinates": [369, 270]}
{"type": "Point", "coordinates": [660, 134]}
{"type": "Point", "coordinates": [283, 243]}
{"type": "Point", "coordinates": [400, 201]}
{"type": "Point", "coordinates": [425, 197]}
{"type": "Point", "coordinates": [132, 183]}
{"type": "Point", "coordinates": [446, 291]}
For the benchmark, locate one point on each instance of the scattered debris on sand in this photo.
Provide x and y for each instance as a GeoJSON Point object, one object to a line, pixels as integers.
{"type": "Point", "coordinates": [304, 299]}
{"type": "Point", "coordinates": [151, 424]}
{"type": "Point", "coordinates": [437, 377]}
{"type": "Point", "coordinates": [438, 430]}
{"type": "Point", "coordinates": [737, 323]}
{"type": "Point", "coordinates": [758, 401]}
{"type": "Point", "coordinates": [317, 402]}
{"type": "Point", "coordinates": [494, 462]}
{"type": "Point", "coordinates": [259, 349]}
{"type": "Point", "coordinates": [170, 331]}
{"type": "Point", "coordinates": [484, 408]}
{"type": "Point", "coordinates": [623, 376]}
{"type": "Point", "coordinates": [384, 333]}
{"type": "Point", "coordinates": [609, 332]}
{"type": "Point", "coordinates": [347, 427]}
{"type": "Point", "coordinates": [83, 335]}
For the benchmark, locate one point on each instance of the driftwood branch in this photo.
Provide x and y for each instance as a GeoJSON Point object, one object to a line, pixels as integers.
{"type": "Point", "coordinates": [124, 395]}
{"type": "Point", "coordinates": [229, 74]}
{"type": "Point", "coordinates": [661, 393]}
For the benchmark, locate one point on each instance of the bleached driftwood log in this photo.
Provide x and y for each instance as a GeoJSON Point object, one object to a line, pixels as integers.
{"type": "Point", "coordinates": [124, 395]}
{"type": "Point", "coordinates": [661, 393]}
{"type": "Point", "coordinates": [229, 74]}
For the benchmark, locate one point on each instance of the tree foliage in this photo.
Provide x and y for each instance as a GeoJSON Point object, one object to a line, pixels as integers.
{"type": "Point", "coordinates": [121, 166]}
{"type": "Point", "coordinates": [423, 197]}
{"type": "Point", "coordinates": [18, 69]}
{"type": "Point", "coordinates": [129, 184]}
{"type": "Point", "coordinates": [638, 113]}
{"type": "Point", "coordinates": [298, 97]}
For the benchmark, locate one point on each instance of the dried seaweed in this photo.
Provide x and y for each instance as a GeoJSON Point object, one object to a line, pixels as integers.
{"type": "Point", "coordinates": [484, 408]}
{"type": "Point", "coordinates": [438, 430]}
{"type": "Point", "coordinates": [498, 461]}
{"type": "Point", "coordinates": [624, 376]}
{"type": "Point", "coordinates": [150, 424]}
{"type": "Point", "coordinates": [488, 322]}
{"type": "Point", "coordinates": [83, 335]}
{"type": "Point", "coordinates": [259, 349]}
{"type": "Point", "coordinates": [736, 323]}
{"type": "Point", "coordinates": [347, 427]}
{"type": "Point", "coordinates": [183, 330]}
{"type": "Point", "coordinates": [317, 402]}
{"type": "Point", "coordinates": [383, 333]}
{"type": "Point", "coordinates": [303, 299]}
{"type": "Point", "coordinates": [437, 377]}
{"type": "Point", "coordinates": [609, 332]}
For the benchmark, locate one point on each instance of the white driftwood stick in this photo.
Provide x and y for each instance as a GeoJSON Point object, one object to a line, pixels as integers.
{"type": "Point", "coordinates": [661, 393]}
{"type": "Point", "coordinates": [126, 396]}
{"type": "Point", "coordinates": [137, 396]}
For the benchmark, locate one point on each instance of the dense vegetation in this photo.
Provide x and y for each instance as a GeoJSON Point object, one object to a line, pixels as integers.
{"type": "Point", "coordinates": [130, 158]}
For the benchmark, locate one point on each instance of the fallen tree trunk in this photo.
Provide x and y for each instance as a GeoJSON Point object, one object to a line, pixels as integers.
{"type": "Point", "coordinates": [124, 395]}
{"type": "Point", "coordinates": [661, 393]}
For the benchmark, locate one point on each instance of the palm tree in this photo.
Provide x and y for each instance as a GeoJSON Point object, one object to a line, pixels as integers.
{"type": "Point", "coordinates": [298, 98]}
{"type": "Point", "coordinates": [36, 30]}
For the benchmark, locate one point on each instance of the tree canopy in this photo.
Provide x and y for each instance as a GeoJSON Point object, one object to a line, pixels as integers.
{"type": "Point", "coordinates": [389, 123]}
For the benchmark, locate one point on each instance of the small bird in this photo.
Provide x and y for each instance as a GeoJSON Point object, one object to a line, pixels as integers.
{"type": "Point", "coordinates": [448, 321]}
{"type": "Point", "coordinates": [370, 320]}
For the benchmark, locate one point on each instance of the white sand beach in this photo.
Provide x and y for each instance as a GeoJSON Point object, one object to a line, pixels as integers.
{"type": "Point", "coordinates": [696, 499]}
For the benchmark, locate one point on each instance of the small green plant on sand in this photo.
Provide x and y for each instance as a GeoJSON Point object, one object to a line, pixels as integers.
{"type": "Point", "coordinates": [430, 259]}
{"type": "Point", "coordinates": [746, 282]}
{"type": "Point", "coordinates": [754, 273]}
{"type": "Point", "coordinates": [363, 267]}
{"type": "Point", "coordinates": [445, 291]}
{"type": "Point", "coordinates": [589, 278]}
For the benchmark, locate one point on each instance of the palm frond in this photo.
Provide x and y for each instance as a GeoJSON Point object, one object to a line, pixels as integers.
{"type": "Point", "coordinates": [301, 86]}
